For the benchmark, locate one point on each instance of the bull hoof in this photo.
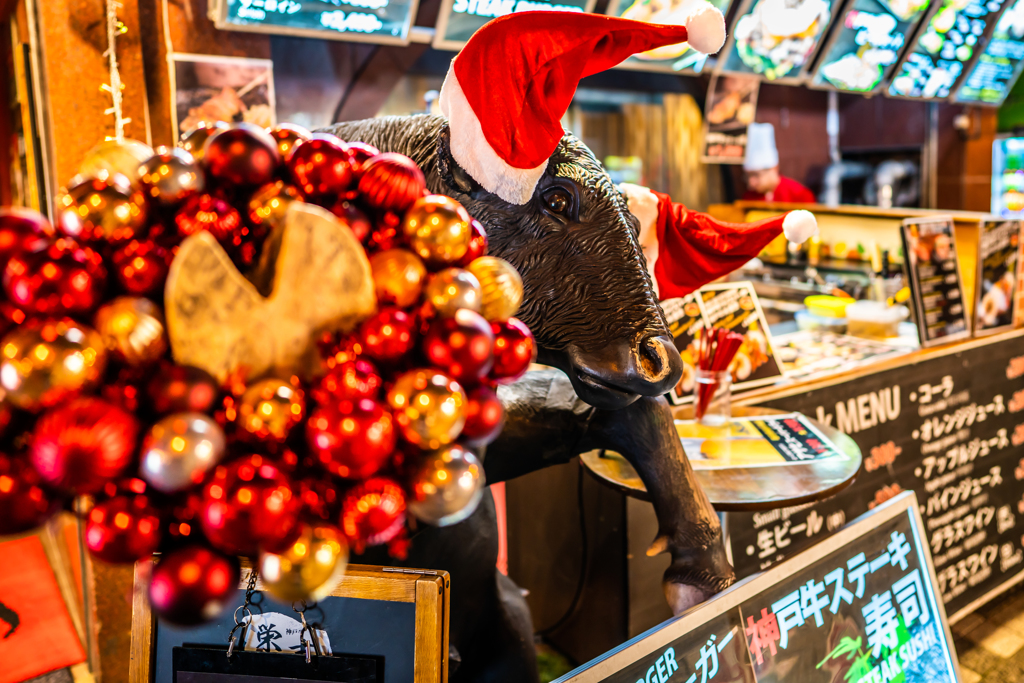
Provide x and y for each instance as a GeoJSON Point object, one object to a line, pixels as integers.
{"type": "Point", "coordinates": [682, 597]}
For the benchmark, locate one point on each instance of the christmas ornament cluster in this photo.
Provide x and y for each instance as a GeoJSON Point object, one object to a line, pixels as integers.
{"type": "Point", "coordinates": [289, 470]}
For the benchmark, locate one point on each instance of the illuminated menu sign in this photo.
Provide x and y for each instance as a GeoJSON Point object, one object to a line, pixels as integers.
{"type": "Point", "coordinates": [936, 60]}
{"type": "Point", "coordinates": [373, 21]}
{"type": "Point", "coordinates": [671, 58]}
{"type": "Point", "coordinates": [460, 19]}
{"type": "Point", "coordinates": [1008, 177]}
{"type": "Point", "coordinates": [859, 607]}
{"type": "Point", "coordinates": [776, 39]}
{"type": "Point", "coordinates": [866, 46]}
{"type": "Point", "coordinates": [1000, 64]}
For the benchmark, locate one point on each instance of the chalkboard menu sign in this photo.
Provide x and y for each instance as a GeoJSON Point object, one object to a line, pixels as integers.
{"type": "Point", "coordinates": [935, 61]}
{"type": "Point", "coordinates": [460, 19]}
{"type": "Point", "coordinates": [368, 21]}
{"type": "Point", "coordinates": [950, 428]}
{"type": "Point", "coordinates": [671, 58]}
{"type": "Point", "coordinates": [859, 607]}
{"type": "Point", "coordinates": [866, 44]}
{"type": "Point", "coordinates": [998, 262]}
{"type": "Point", "coordinates": [934, 274]}
{"type": "Point", "coordinates": [776, 39]}
{"type": "Point", "coordinates": [999, 66]}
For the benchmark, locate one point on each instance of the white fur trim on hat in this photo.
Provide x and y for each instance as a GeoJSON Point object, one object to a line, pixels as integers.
{"type": "Point", "coordinates": [799, 226]}
{"type": "Point", "coordinates": [475, 155]}
{"type": "Point", "coordinates": [705, 29]}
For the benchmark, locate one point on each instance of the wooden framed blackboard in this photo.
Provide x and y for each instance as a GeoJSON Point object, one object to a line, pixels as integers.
{"type": "Point", "coordinates": [397, 615]}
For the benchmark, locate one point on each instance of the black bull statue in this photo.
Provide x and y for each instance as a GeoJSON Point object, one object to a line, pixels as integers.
{"type": "Point", "coordinates": [589, 300]}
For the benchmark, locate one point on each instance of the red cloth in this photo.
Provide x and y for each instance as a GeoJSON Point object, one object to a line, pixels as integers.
{"type": "Point", "coordinates": [695, 249]}
{"type": "Point", "coordinates": [521, 95]}
{"type": "Point", "coordinates": [788, 191]}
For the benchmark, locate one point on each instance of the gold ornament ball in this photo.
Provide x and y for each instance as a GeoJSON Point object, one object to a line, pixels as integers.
{"type": "Point", "coordinates": [171, 176]}
{"type": "Point", "coordinates": [44, 363]}
{"type": "Point", "coordinates": [438, 230]}
{"type": "Point", "coordinates": [102, 207]}
{"type": "Point", "coordinates": [114, 157]}
{"type": "Point", "coordinates": [132, 329]}
{"type": "Point", "coordinates": [452, 289]}
{"type": "Point", "coordinates": [447, 485]}
{"type": "Point", "coordinates": [270, 409]}
{"type": "Point", "coordinates": [287, 136]}
{"type": "Point", "coordinates": [308, 569]}
{"type": "Point", "coordinates": [398, 276]}
{"type": "Point", "coordinates": [194, 140]}
{"type": "Point", "coordinates": [500, 285]}
{"type": "Point", "coordinates": [270, 203]}
{"type": "Point", "coordinates": [429, 407]}
{"type": "Point", "coordinates": [179, 449]}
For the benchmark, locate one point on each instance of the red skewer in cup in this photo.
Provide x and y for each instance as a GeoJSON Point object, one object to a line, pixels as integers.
{"type": "Point", "coordinates": [715, 352]}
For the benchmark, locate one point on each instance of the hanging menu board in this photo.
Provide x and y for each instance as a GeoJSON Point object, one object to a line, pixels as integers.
{"type": "Point", "coordinates": [730, 108]}
{"type": "Point", "coordinates": [859, 607]}
{"type": "Point", "coordinates": [460, 19]}
{"type": "Point", "coordinates": [935, 61]}
{"type": "Point", "coordinates": [776, 39]}
{"type": "Point", "coordinates": [950, 428]}
{"type": "Point", "coordinates": [935, 284]}
{"type": "Point", "coordinates": [866, 45]}
{"type": "Point", "coordinates": [671, 58]}
{"type": "Point", "coordinates": [369, 21]}
{"type": "Point", "coordinates": [996, 292]}
{"type": "Point", "coordinates": [999, 66]}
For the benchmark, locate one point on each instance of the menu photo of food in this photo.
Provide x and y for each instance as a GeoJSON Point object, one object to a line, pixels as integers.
{"type": "Point", "coordinates": [868, 43]}
{"type": "Point", "coordinates": [731, 107]}
{"type": "Point", "coordinates": [998, 271]}
{"type": "Point", "coordinates": [774, 440]}
{"type": "Point", "coordinates": [777, 38]}
{"type": "Point", "coordinates": [935, 283]}
{"type": "Point", "coordinates": [734, 306]}
{"type": "Point", "coordinates": [209, 89]}
{"type": "Point", "coordinates": [670, 57]}
{"type": "Point", "coordinates": [685, 323]}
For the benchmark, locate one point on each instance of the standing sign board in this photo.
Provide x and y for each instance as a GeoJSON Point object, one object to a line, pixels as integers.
{"type": "Point", "coordinates": [998, 264]}
{"type": "Point", "coordinates": [934, 271]}
{"type": "Point", "coordinates": [731, 106]}
{"type": "Point", "coordinates": [859, 606]}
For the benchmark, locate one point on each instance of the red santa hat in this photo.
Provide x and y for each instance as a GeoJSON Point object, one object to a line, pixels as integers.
{"type": "Point", "coordinates": [507, 90]}
{"type": "Point", "coordinates": [687, 249]}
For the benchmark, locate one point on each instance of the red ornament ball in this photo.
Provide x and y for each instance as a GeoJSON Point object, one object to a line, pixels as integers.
{"type": "Point", "coordinates": [123, 529]}
{"type": "Point", "coordinates": [484, 417]}
{"type": "Point", "coordinates": [243, 155]}
{"type": "Point", "coordinates": [182, 389]}
{"type": "Point", "coordinates": [348, 381]}
{"type": "Point", "coordinates": [288, 136]}
{"type": "Point", "coordinates": [352, 439]}
{"type": "Point", "coordinates": [477, 243]}
{"type": "Point", "coordinates": [249, 504]}
{"type": "Point", "coordinates": [10, 317]}
{"type": "Point", "coordinates": [193, 585]}
{"type": "Point", "coordinates": [141, 267]}
{"type": "Point", "coordinates": [350, 215]}
{"type": "Point", "coordinates": [514, 350]}
{"type": "Point", "coordinates": [461, 345]}
{"type": "Point", "coordinates": [359, 153]}
{"type": "Point", "coordinates": [389, 334]}
{"type": "Point", "coordinates": [207, 212]}
{"type": "Point", "coordinates": [63, 278]}
{"type": "Point", "coordinates": [373, 512]}
{"type": "Point", "coordinates": [321, 167]}
{"type": "Point", "coordinates": [81, 445]}
{"type": "Point", "coordinates": [22, 230]}
{"type": "Point", "coordinates": [391, 182]}
{"type": "Point", "coordinates": [320, 498]}
{"type": "Point", "coordinates": [102, 209]}
{"type": "Point", "coordinates": [24, 503]}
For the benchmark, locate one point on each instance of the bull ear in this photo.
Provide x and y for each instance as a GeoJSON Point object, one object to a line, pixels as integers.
{"type": "Point", "coordinates": [457, 178]}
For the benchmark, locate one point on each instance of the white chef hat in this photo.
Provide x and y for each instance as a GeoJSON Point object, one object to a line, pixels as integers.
{"type": "Point", "coordinates": [761, 151]}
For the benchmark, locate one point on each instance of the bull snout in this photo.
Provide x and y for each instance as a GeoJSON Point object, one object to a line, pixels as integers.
{"type": "Point", "coordinates": [615, 376]}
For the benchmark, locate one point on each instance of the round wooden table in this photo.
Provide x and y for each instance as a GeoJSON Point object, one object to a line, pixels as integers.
{"type": "Point", "coordinates": [733, 489]}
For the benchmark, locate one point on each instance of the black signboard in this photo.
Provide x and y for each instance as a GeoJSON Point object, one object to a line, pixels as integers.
{"type": "Point", "coordinates": [995, 72]}
{"type": "Point", "coordinates": [212, 665]}
{"type": "Point", "coordinates": [935, 62]}
{"type": "Point", "coordinates": [460, 19]}
{"type": "Point", "coordinates": [934, 274]}
{"type": "Point", "coordinates": [370, 21]}
{"type": "Point", "coordinates": [859, 607]}
{"type": "Point", "coordinates": [996, 292]}
{"type": "Point", "coordinates": [949, 428]}
{"type": "Point", "coordinates": [867, 43]}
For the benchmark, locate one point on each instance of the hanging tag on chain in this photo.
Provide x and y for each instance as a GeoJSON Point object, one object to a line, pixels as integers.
{"type": "Point", "coordinates": [243, 625]}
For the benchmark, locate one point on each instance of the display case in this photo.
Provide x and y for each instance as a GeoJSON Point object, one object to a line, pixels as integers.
{"type": "Point", "coordinates": [992, 76]}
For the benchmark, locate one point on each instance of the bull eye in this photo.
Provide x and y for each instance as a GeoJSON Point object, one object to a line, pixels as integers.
{"type": "Point", "coordinates": [558, 201]}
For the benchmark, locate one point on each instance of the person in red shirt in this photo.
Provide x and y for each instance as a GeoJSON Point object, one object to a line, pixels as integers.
{"type": "Point", "coordinates": [764, 182]}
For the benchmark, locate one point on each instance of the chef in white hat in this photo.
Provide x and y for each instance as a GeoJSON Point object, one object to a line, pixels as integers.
{"type": "Point", "coordinates": [764, 183]}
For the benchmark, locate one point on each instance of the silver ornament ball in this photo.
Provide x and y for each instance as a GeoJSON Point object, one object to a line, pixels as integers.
{"type": "Point", "coordinates": [446, 486]}
{"type": "Point", "coordinates": [179, 449]}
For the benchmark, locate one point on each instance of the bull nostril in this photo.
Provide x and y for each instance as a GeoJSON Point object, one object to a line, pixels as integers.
{"type": "Point", "coordinates": [653, 359]}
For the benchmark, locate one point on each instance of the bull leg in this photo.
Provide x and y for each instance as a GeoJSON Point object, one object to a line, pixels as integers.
{"type": "Point", "coordinates": [644, 433]}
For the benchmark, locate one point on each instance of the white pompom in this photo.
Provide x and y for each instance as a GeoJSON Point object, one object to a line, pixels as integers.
{"type": "Point", "coordinates": [705, 29]}
{"type": "Point", "coordinates": [799, 226]}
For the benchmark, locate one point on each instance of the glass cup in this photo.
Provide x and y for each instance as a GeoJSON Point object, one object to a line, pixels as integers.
{"type": "Point", "coordinates": [712, 397]}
